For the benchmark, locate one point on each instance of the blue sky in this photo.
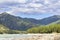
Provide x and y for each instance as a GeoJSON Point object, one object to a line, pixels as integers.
{"type": "Point", "coordinates": [37, 9]}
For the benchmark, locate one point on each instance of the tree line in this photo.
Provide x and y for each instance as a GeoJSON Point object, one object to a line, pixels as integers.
{"type": "Point", "coordinates": [45, 29]}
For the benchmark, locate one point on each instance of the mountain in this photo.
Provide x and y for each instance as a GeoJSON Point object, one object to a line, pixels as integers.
{"type": "Point", "coordinates": [22, 24]}
{"type": "Point", "coordinates": [3, 29]}
{"type": "Point", "coordinates": [17, 23]}
{"type": "Point", "coordinates": [50, 20]}
{"type": "Point", "coordinates": [6, 30]}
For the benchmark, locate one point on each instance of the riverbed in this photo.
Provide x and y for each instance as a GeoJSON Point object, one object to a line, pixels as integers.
{"type": "Point", "coordinates": [29, 36]}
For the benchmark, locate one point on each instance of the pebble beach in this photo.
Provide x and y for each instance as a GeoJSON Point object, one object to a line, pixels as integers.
{"type": "Point", "coordinates": [29, 36]}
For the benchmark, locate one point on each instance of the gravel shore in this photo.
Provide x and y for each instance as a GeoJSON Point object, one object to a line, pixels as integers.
{"type": "Point", "coordinates": [33, 37]}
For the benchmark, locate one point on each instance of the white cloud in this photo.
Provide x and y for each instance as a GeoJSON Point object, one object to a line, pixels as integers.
{"type": "Point", "coordinates": [46, 2]}
{"type": "Point", "coordinates": [19, 1]}
{"type": "Point", "coordinates": [49, 6]}
{"type": "Point", "coordinates": [35, 5]}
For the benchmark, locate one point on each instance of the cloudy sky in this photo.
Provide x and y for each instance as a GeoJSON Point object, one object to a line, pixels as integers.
{"type": "Point", "coordinates": [31, 8]}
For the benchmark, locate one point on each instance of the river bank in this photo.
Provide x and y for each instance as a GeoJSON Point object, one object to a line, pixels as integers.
{"type": "Point", "coordinates": [29, 36]}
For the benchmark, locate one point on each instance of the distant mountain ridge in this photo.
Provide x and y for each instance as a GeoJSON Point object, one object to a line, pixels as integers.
{"type": "Point", "coordinates": [49, 20]}
{"type": "Point", "coordinates": [19, 23]}
{"type": "Point", "coordinates": [16, 23]}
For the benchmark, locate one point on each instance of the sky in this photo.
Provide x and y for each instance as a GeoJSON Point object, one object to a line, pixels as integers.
{"type": "Point", "coordinates": [37, 9]}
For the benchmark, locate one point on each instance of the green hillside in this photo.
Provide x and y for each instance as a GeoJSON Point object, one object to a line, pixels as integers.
{"type": "Point", "coordinates": [11, 24]}
{"type": "Point", "coordinates": [45, 29]}
{"type": "Point", "coordinates": [5, 30]}
{"type": "Point", "coordinates": [56, 22]}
